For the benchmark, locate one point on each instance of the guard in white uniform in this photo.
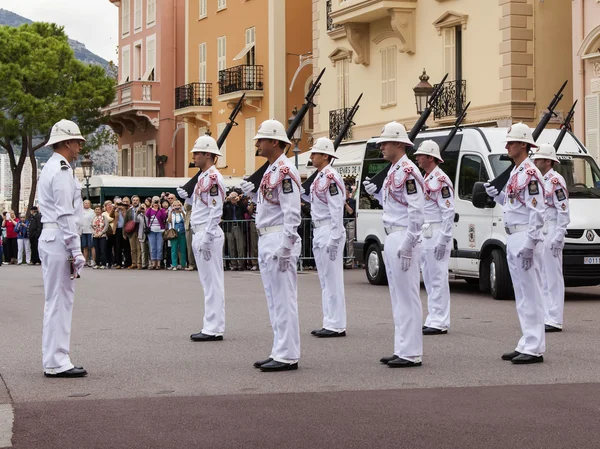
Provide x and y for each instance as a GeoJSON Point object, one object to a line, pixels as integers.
{"type": "Point", "coordinates": [327, 198]}
{"type": "Point", "coordinates": [523, 210]}
{"type": "Point", "coordinates": [403, 202]}
{"type": "Point", "coordinates": [207, 241]}
{"type": "Point", "coordinates": [556, 220]}
{"type": "Point", "coordinates": [436, 237]}
{"type": "Point", "coordinates": [277, 221]}
{"type": "Point", "coordinates": [59, 195]}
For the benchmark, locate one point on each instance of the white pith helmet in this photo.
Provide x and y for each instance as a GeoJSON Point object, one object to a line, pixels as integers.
{"type": "Point", "coordinates": [394, 132]}
{"type": "Point", "coordinates": [64, 130]}
{"type": "Point", "coordinates": [323, 146]}
{"type": "Point", "coordinates": [429, 148]}
{"type": "Point", "coordinates": [520, 132]}
{"type": "Point", "coordinates": [272, 129]}
{"type": "Point", "coordinates": [206, 144]}
{"type": "Point", "coordinates": [545, 151]}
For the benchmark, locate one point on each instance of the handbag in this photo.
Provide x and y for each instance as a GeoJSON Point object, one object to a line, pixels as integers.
{"type": "Point", "coordinates": [170, 234]}
{"type": "Point", "coordinates": [130, 227]}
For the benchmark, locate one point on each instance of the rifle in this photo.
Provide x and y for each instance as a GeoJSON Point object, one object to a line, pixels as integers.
{"type": "Point", "coordinates": [500, 181]}
{"type": "Point", "coordinates": [379, 178]}
{"type": "Point", "coordinates": [457, 123]}
{"type": "Point", "coordinates": [336, 143]}
{"type": "Point", "coordinates": [565, 126]}
{"type": "Point", "coordinates": [189, 186]}
{"type": "Point", "coordinates": [256, 177]}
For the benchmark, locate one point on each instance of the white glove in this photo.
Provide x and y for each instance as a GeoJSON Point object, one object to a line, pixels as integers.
{"type": "Point", "coordinates": [332, 250]}
{"type": "Point", "coordinates": [78, 262]}
{"type": "Point", "coordinates": [247, 187]}
{"type": "Point", "coordinates": [439, 251]}
{"type": "Point", "coordinates": [526, 255]}
{"type": "Point", "coordinates": [370, 188]}
{"type": "Point", "coordinates": [182, 193]}
{"type": "Point", "coordinates": [405, 257]}
{"type": "Point", "coordinates": [556, 246]}
{"type": "Point", "coordinates": [205, 250]}
{"type": "Point", "coordinates": [491, 190]}
{"type": "Point", "coordinates": [283, 255]}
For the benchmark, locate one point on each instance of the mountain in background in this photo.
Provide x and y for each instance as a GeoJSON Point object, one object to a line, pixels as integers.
{"type": "Point", "coordinates": [81, 52]}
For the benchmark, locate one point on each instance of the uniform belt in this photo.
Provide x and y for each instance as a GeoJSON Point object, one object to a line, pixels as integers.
{"type": "Point", "coordinates": [319, 223]}
{"type": "Point", "coordinates": [268, 230]}
{"type": "Point", "coordinates": [391, 229]}
{"type": "Point", "coordinates": [198, 228]}
{"type": "Point", "coordinates": [514, 229]}
{"type": "Point", "coordinates": [50, 226]}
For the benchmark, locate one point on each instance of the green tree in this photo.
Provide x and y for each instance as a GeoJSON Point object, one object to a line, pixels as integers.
{"type": "Point", "coordinates": [41, 82]}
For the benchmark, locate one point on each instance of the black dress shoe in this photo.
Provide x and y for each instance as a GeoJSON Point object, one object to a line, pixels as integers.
{"type": "Point", "coordinates": [434, 331]}
{"type": "Point", "coordinates": [326, 333]}
{"type": "Point", "coordinates": [549, 328]}
{"type": "Point", "coordinates": [203, 337]}
{"type": "Point", "coordinates": [386, 360]}
{"type": "Point", "coordinates": [525, 359]}
{"type": "Point", "coordinates": [273, 365]}
{"type": "Point", "coordinates": [402, 363]}
{"type": "Point", "coordinates": [73, 372]}
{"type": "Point", "coordinates": [510, 355]}
{"type": "Point", "coordinates": [260, 363]}
{"type": "Point", "coordinates": [316, 330]}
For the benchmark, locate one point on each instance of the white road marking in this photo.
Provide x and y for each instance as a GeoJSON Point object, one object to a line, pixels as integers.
{"type": "Point", "coordinates": [6, 425]}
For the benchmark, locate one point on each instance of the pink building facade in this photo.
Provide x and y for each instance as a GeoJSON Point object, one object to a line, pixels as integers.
{"type": "Point", "coordinates": [151, 65]}
{"type": "Point", "coordinates": [586, 73]}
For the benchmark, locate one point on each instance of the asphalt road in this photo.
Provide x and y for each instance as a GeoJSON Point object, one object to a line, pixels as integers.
{"type": "Point", "coordinates": [151, 387]}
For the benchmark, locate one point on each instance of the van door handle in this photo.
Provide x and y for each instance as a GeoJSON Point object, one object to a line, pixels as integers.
{"type": "Point", "coordinates": [456, 217]}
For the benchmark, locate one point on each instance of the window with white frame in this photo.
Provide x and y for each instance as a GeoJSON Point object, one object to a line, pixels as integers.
{"type": "Point", "coordinates": [221, 4]}
{"type": "Point", "coordinates": [251, 43]}
{"type": "Point", "coordinates": [151, 158]}
{"type": "Point", "coordinates": [449, 42]}
{"type": "Point", "coordinates": [343, 86]}
{"type": "Point", "coordinates": [139, 159]}
{"type": "Point", "coordinates": [125, 64]}
{"type": "Point", "coordinates": [124, 159]}
{"type": "Point", "coordinates": [151, 13]}
{"type": "Point", "coordinates": [137, 18]}
{"type": "Point", "coordinates": [221, 53]}
{"type": "Point", "coordinates": [150, 74]}
{"type": "Point", "coordinates": [592, 123]}
{"type": "Point", "coordinates": [202, 9]}
{"type": "Point", "coordinates": [125, 17]}
{"type": "Point", "coordinates": [250, 146]}
{"type": "Point", "coordinates": [202, 62]}
{"type": "Point", "coordinates": [388, 76]}
{"type": "Point", "coordinates": [137, 61]}
{"type": "Point", "coordinates": [222, 162]}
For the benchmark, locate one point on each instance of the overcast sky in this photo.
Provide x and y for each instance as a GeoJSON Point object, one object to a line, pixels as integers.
{"type": "Point", "coordinates": [92, 22]}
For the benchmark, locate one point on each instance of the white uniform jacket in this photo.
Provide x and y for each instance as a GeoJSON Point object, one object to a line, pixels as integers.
{"type": "Point", "coordinates": [327, 198]}
{"type": "Point", "coordinates": [557, 204]}
{"type": "Point", "coordinates": [207, 203]}
{"type": "Point", "coordinates": [439, 203]}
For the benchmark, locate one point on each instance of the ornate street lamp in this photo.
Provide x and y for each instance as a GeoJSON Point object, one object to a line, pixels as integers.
{"type": "Point", "coordinates": [422, 91]}
{"type": "Point", "coordinates": [297, 137]}
{"type": "Point", "coordinates": [87, 166]}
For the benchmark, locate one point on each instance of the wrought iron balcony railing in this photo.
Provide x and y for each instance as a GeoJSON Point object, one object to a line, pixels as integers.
{"type": "Point", "coordinates": [193, 94]}
{"type": "Point", "coordinates": [337, 118]}
{"type": "Point", "coordinates": [240, 78]}
{"type": "Point", "coordinates": [452, 99]}
{"type": "Point", "coordinates": [330, 25]}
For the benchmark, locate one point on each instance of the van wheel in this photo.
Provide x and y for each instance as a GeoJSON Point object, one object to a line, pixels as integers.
{"type": "Point", "coordinates": [374, 265]}
{"type": "Point", "coordinates": [499, 276]}
{"type": "Point", "coordinates": [472, 281]}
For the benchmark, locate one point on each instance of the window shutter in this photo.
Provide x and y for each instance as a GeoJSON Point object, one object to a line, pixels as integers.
{"type": "Point", "coordinates": [592, 124]}
{"type": "Point", "coordinates": [202, 66]}
{"type": "Point", "coordinates": [392, 75]}
{"type": "Point", "coordinates": [125, 17]}
{"type": "Point", "coordinates": [222, 162]}
{"type": "Point", "coordinates": [221, 53]}
{"type": "Point", "coordinates": [138, 15]}
{"type": "Point", "coordinates": [450, 52]}
{"type": "Point", "coordinates": [384, 80]}
{"type": "Point", "coordinates": [222, 4]}
{"type": "Point", "coordinates": [151, 59]}
{"type": "Point", "coordinates": [151, 12]}
{"type": "Point", "coordinates": [120, 161]}
{"type": "Point", "coordinates": [125, 65]}
{"type": "Point", "coordinates": [202, 8]}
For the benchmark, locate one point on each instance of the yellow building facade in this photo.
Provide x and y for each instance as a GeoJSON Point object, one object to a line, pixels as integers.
{"type": "Point", "coordinates": [250, 47]}
{"type": "Point", "coordinates": [503, 56]}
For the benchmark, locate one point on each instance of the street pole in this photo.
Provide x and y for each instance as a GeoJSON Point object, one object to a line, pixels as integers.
{"type": "Point", "coordinates": [296, 151]}
{"type": "Point", "coordinates": [87, 188]}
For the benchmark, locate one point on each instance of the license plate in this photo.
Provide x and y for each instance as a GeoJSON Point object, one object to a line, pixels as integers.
{"type": "Point", "coordinates": [591, 260]}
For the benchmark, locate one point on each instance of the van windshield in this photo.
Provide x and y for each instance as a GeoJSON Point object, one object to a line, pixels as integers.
{"type": "Point", "coordinates": [581, 173]}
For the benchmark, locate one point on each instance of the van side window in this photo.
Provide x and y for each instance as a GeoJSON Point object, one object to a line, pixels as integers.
{"type": "Point", "coordinates": [370, 168]}
{"type": "Point", "coordinates": [472, 170]}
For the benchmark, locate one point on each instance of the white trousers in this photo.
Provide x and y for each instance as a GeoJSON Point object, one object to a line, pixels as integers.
{"type": "Point", "coordinates": [213, 283]}
{"type": "Point", "coordinates": [406, 302]}
{"type": "Point", "coordinates": [331, 277]}
{"type": "Point", "coordinates": [282, 298]}
{"type": "Point", "coordinates": [553, 284]}
{"type": "Point", "coordinates": [24, 246]}
{"type": "Point", "coordinates": [59, 292]}
{"type": "Point", "coordinates": [528, 295]}
{"type": "Point", "coordinates": [435, 278]}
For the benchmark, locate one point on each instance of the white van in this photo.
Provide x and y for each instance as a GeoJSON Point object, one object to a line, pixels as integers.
{"type": "Point", "coordinates": [479, 254]}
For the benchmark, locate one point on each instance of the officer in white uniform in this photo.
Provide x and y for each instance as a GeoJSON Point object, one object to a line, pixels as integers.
{"type": "Point", "coordinates": [436, 237]}
{"type": "Point", "coordinates": [277, 221]}
{"type": "Point", "coordinates": [556, 220]}
{"type": "Point", "coordinates": [523, 209]}
{"type": "Point", "coordinates": [327, 198]}
{"type": "Point", "coordinates": [403, 202]}
{"type": "Point", "coordinates": [207, 241]}
{"type": "Point", "coordinates": [59, 195]}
